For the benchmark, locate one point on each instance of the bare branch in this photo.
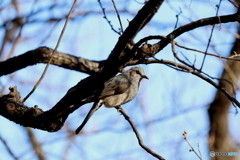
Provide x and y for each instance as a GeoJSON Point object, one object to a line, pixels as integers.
{"type": "Point", "coordinates": [53, 119]}
{"type": "Point", "coordinates": [139, 138]}
{"type": "Point", "coordinates": [42, 55]}
{"type": "Point", "coordinates": [8, 148]}
{"type": "Point", "coordinates": [210, 54]}
{"type": "Point", "coordinates": [90, 67]}
{"type": "Point", "coordinates": [187, 69]}
{"type": "Point", "coordinates": [119, 19]}
{"type": "Point", "coordinates": [192, 149]}
{"type": "Point", "coordinates": [55, 49]}
{"type": "Point", "coordinates": [177, 17]}
{"type": "Point", "coordinates": [35, 144]}
{"type": "Point", "coordinates": [139, 21]}
{"type": "Point", "coordinates": [13, 109]}
{"type": "Point", "coordinates": [105, 17]}
{"type": "Point", "coordinates": [210, 37]}
{"type": "Point", "coordinates": [196, 24]}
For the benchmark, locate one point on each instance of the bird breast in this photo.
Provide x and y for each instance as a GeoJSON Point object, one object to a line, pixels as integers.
{"type": "Point", "coordinates": [119, 99]}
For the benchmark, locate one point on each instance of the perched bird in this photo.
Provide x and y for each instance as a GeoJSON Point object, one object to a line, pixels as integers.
{"type": "Point", "coordinates": [118, 90]}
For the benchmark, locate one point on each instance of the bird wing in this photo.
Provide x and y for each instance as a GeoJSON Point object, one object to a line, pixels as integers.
{"type": "Point", "coordinates": [116, 85]}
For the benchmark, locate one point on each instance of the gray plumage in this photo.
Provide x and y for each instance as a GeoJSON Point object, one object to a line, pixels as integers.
{"type": "Point", "coordinates": [122, 88]}
{"type": "Point", "coordinates": [118, 90]}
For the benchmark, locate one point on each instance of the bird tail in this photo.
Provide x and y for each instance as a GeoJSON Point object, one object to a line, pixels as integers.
{"type": "Point", "coordinates": [95, 107]}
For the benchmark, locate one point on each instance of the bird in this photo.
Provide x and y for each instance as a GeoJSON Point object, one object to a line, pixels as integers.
{"type": "Point", "coordinates": [117, 91]}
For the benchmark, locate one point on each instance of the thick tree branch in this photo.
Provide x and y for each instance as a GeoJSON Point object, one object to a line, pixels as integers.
{"type": "Point", "coordinates": [12, 109]}
{"type": "Point", "coordinates": [180, 67]}
{"type": "Point", "coordinates": [42, 55]}
{"type": "Point", "coordinates": [200, 23]}
{"type": "Point", "coordinates": [118, 57]}
{"type": "Point", "coordinates": [121, 56]}
{"type": "Point", "coordinates": [165, 40]}
{"type": "Point", "coordinates": [53, 119]}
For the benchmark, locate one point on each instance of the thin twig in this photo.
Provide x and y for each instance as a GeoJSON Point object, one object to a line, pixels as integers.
{"type": "Point", "coordinates": [184, 68]}
{"type": "Point", "coordinates": [177, 16]}
{"type": "Point", "coordinates": [180, 60]}
{"type": "Point", "coordinates": [211, 4]}
{"type": "Point", "coordinates": [145, 39]}
{"type": "Point", "coordinates": [119, 19]}
{"type": "Point", "coordinates": [36, 145]}
{"type": "Point", "coordinates": [105, 17]}
{"type": "Point", "coordinates": [191, 69]}
{"type": "Point", "coordinates": [191, 148]}
{"type": "Point", "coordinates": [199, 150]}
{"type": "Point", "coordinates": [8, 148]}
{"type": "Point", "coordinates": [209, 40]}
{"type": "Point", "coordinates": [56, 47]}
{"type": "Point", "coordinates": [185, 57]}
{"type": "Point", "coordinates": [137, 134]}
{"type": "Point", "coordinates": [191, 49]}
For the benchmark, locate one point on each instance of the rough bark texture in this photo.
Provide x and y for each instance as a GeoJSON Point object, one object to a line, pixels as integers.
{"type": "Point", "coordinates": [43, 54]}
{"type": "Point", "coordinates": [52, 120]}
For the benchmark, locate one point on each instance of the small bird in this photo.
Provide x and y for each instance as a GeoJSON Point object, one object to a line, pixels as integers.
{"type": "Point", "coordinates": [118, 90]}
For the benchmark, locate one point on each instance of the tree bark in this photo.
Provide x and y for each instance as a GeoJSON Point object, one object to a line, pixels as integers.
{"type": "Point", "coordinates": [219, 136]}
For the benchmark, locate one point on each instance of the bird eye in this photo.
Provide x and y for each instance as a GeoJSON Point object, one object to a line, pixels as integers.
{"type": "Point", "coordinates": [138, 72]}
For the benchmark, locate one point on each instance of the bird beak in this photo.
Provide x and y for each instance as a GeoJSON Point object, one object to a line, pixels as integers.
{"type": "Point", "coordinates": [144, 76]}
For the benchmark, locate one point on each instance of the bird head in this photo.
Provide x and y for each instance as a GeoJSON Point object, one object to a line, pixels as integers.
{"type": "Point", "coordinates": [138, 72]}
